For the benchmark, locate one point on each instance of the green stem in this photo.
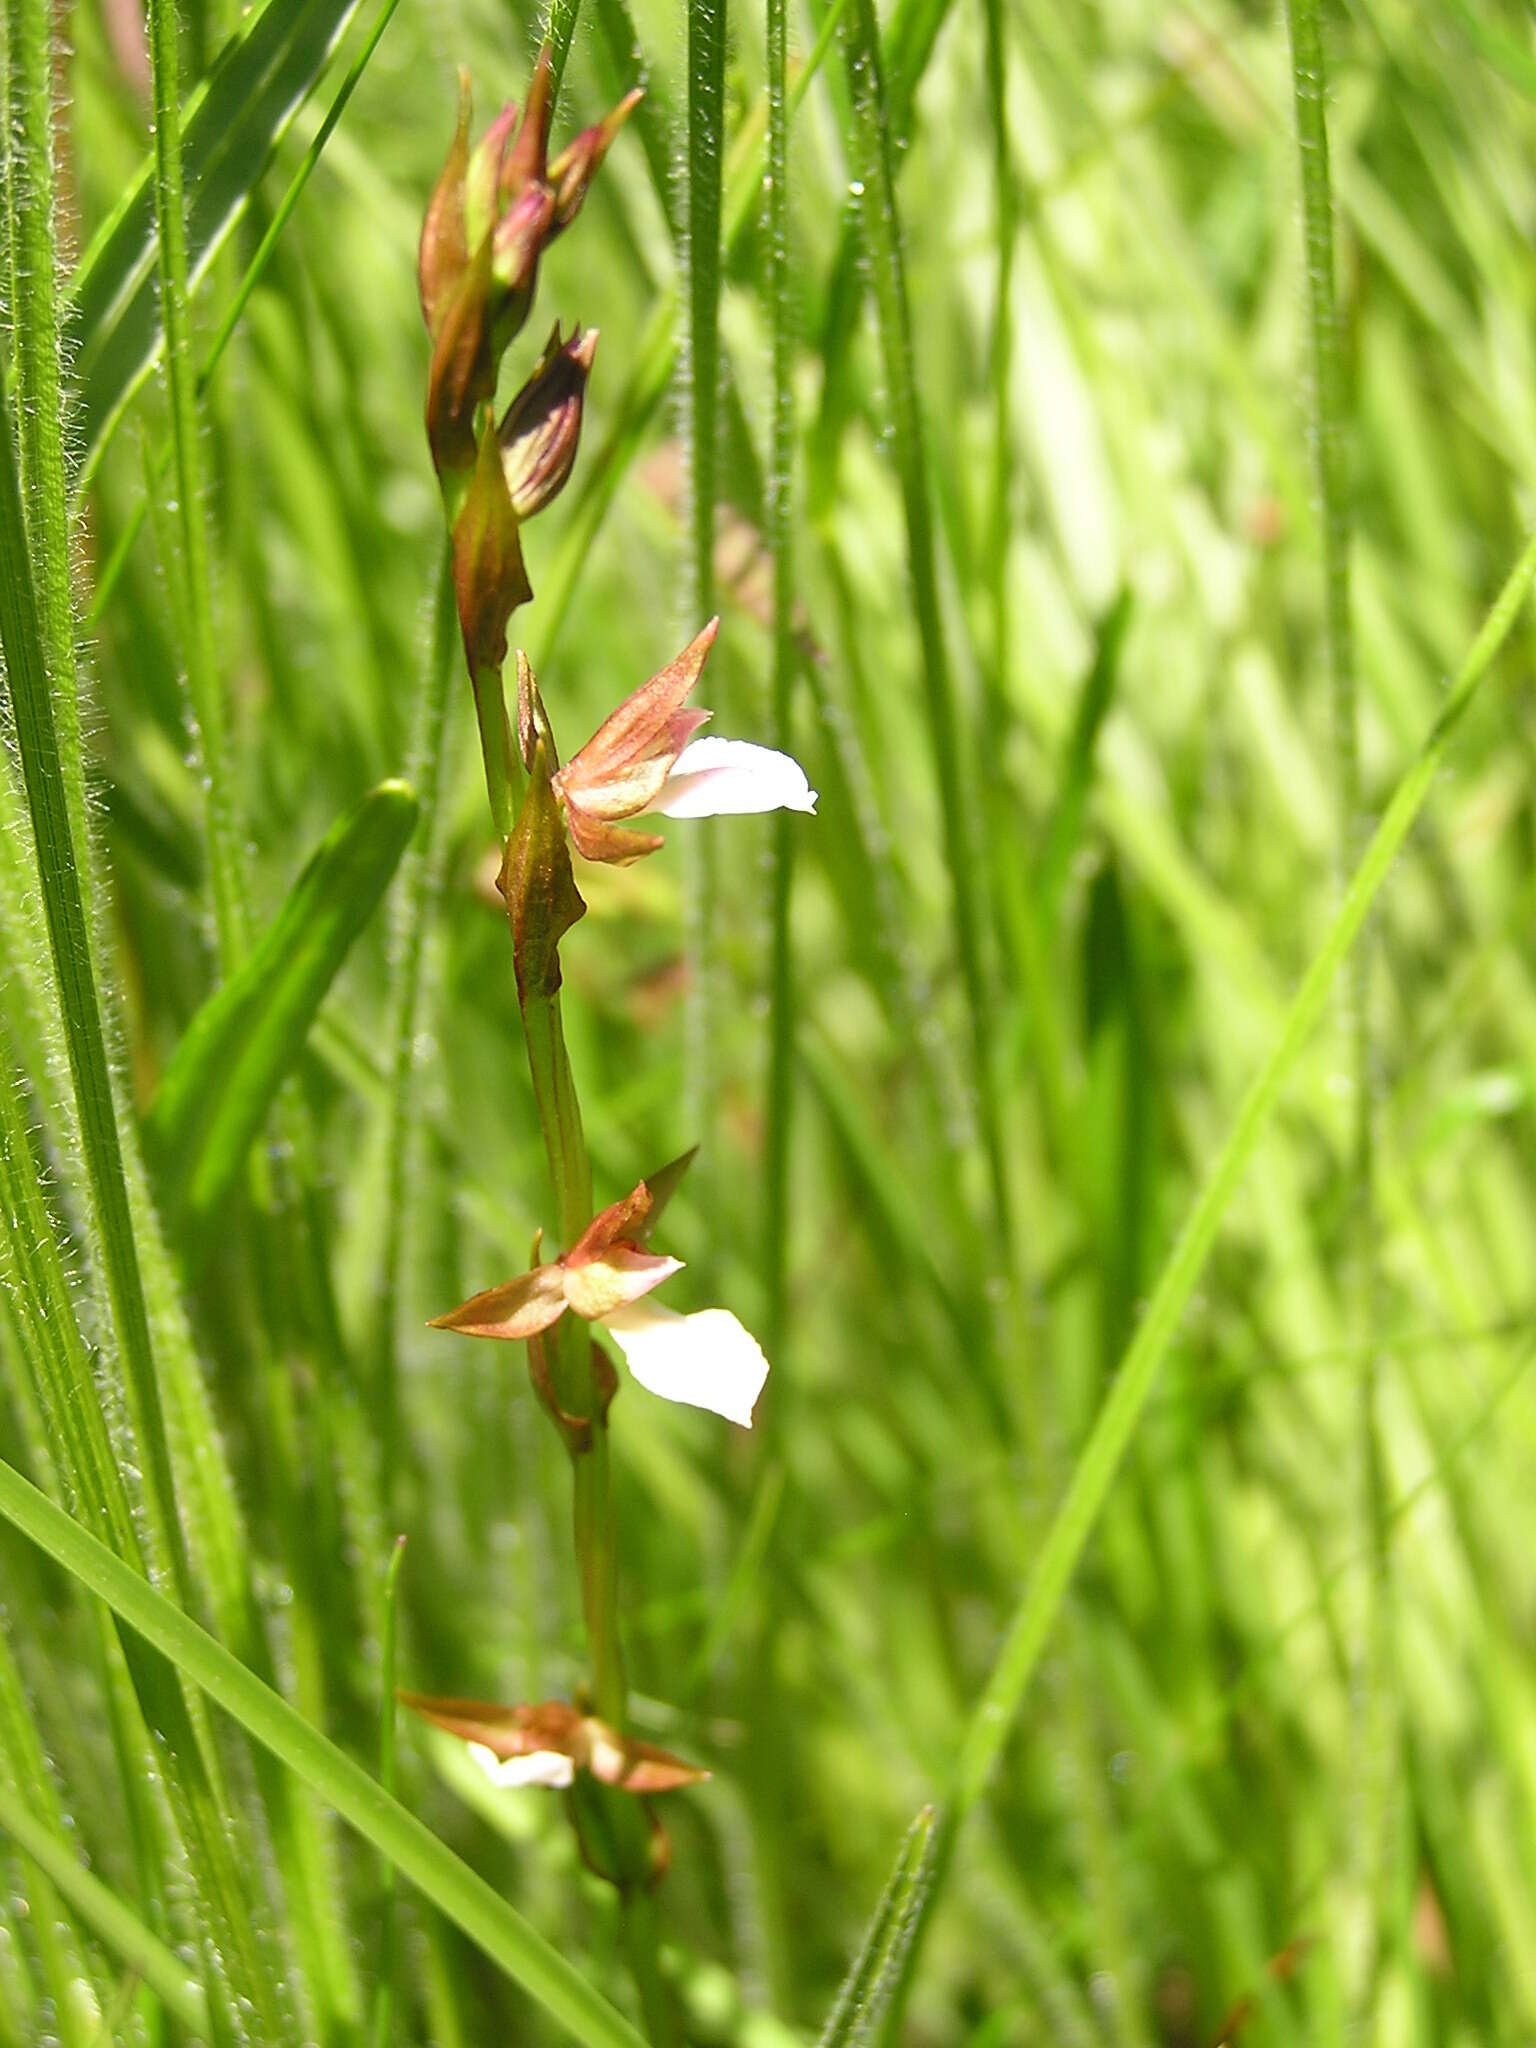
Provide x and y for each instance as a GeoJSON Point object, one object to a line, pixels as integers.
{"type": "Point", "coordinates": [781, 1028]}
{"type": "Point", "coordinates": [414, 898]}
{"type": "Point", "coordinates": [1329, 420]}
{"type": "Point", "coordinates": [384, 1991]}
{"type": "Point", "coordinates": [495, 748]}
{"type": "Point", "coordinates": [597, 1562]}
{"type": "Point", "coordinates": [876, 184]}
{"type": "Point", "coordinates": [222, 826]}
{"type": "Point", "coordinates": [995, 1712]}
{"type": "Point", "coordinates": [706, 154]}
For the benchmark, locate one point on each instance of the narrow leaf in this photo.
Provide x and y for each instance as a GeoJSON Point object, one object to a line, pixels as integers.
{"type": "Point", "coordinates": [229, 132]}
{"type": "Point", "coordinates": [868, 1985]}
{"type": "Point", "coordinates": [467, 1900]}
{"type": "Point", "coordinates": [247, 1037]}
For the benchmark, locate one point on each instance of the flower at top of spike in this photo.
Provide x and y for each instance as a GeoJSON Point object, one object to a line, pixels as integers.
{"type": "Point", "coordinates": [706, 1360]}
{"type": "Point", "coordinates": [549, 1743]}
{"type": "Point", "coordinates": [643, 757]}
{"type": "Point", "coordinates": [494, 211]}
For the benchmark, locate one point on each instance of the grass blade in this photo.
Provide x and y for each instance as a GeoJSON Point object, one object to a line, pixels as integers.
{"type": "Point", "coordinates": [418, 1855]}
{"type": "Point", "coordinates": [221, 827]}
{"type": "Point", "coordinates": [867, 1988]}
{"type": "Point", "coordinates": [43, 773]}
{"type": "Point", "coordinates": [1101, 1456]}
{"type": "Point", "coordinates": [247, 1037]}
{"type": "Point", "coordinates": [98, 1907]}
{"type": "Point", "coordinates": [229, 131]}
{"type": "Point", "coordinates": [876, 185]}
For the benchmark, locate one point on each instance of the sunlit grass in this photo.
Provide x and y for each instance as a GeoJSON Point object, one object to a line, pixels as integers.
{"type": "Point", "coordinates": [1016, 1133]}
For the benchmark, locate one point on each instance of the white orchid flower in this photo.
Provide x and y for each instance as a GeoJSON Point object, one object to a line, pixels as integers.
{"type": "Point", "coordinates": [705, 1360]}
{"type": "Point", "coordinates": [644, 758]}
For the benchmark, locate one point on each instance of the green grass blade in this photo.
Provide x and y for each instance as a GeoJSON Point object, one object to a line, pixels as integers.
{"type": "Point", "coordinates": [1102, 1454]}
{"type": "Point", "coordinates": [867, 1988]}
{"type": "Point", "coordinates": [876, 184]}
{"type": "Point", "coordinates": [229, 131]}
{"type": "Point", "coordinates": [503, 1935]}
{"type": "Point", "coordinates": [704, 165]}
{"type": "Point", "coordinates": [98, 1907]}
{"type": "Point", "coordinates": [247, 1037]}
{"type": "Point", "coordinates": [221, 825]}
{"type": "Point", "coordinates": [419, 881]}
{"type": "Point", "coordinates": [1375, 1771]}
{"type": "Point", "coordinates": [43, 773]}
{"type": "Point", "coordinates": [255, 270]}
{"type": "Point", "coordinates": [779, 538]}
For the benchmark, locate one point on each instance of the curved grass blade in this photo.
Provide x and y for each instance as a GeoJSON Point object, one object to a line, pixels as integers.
{"type": "Point", "coordinates": [1057, 1558]}
{"type": "Point", "coordinates": [245, 1039]}
{"type": "Point", "coordinates": [229, 131]}
{"type": "Point", "coordinates": [467, 1900]}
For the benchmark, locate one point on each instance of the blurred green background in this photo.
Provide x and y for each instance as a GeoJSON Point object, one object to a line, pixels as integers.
{"type": "Point", "coordinates": [1275, 1777]}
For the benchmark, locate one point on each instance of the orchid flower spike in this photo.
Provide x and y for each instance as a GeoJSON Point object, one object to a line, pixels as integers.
{"type": "Point", "coordinates": [549, 1743]}
{"type": "Point", "coordinates": [644, 758]}
{"type": "Point", "coordinates": [705, 1360]}
{"type": "Point", "coordinates": [495, 209]}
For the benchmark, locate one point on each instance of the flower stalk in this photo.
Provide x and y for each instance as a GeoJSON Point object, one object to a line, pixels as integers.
{"type": "Point", "coordinates": [496, 207]}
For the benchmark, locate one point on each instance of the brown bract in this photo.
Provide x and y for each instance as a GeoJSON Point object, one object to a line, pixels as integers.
{"type": "Point", "coordinates": [622, 768]}
{"type": "Point", "coordinates": [489, 578]}
{"type": "Point", "coordinates": [555, 1728]}
{"type": "Point", "coordinates": [538, 887]}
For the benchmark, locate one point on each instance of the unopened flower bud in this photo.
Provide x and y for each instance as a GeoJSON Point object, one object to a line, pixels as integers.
{"type": "Point", "coordinates": [443, 255]}
{"type": "Point", "coordinates": [578, 163]}
{"type": "Point", "coordinates": [542, 426]}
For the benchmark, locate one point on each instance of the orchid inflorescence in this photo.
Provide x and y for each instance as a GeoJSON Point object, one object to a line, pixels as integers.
{"type": "Point", "coordinates": [496, 208]}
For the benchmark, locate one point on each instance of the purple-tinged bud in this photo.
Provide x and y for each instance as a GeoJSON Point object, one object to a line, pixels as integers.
{"type": "Point", "coordinates": [541, 428]}
{"type": "Point", "coordinates": [517, 242]}
{"type": "Point", "coordinates": [578, 163]}
{"type": "Point", "coordinates": [524, 162]}
{"type": "Point", "coordinates": [482, 177]}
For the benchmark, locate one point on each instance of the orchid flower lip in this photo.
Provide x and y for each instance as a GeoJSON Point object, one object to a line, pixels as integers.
{"type": "Point", "coordinates": [550, 1768]}
{"type": "Point", "coordinates": [715, 778]}
{"type": "Point", "coordinates": [705, 1360]}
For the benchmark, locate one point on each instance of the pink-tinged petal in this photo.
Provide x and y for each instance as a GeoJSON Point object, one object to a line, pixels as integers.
{"type": "Point", "coordinates": [519, 1308]}
{"type": "Point", "coordinates": [598, 1286]}
{"type": "Point", "coordinates": [640, 725]}
{"type": "Point", "coordinates": [543, 1767]}
{"type": "Point", "coordinates": [715, 778]}
{"type": "Point", "coordinates": [638, 1767]}
{"type": "Point", "coordinates": [707, 1360]}
{"type": "Point", "coordinates": [614, 845]}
